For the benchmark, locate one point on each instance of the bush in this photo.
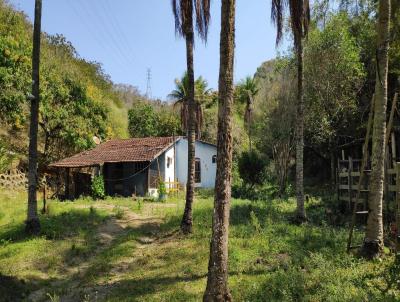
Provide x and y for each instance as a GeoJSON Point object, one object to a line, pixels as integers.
{"type": "Point", "coordinates": [98, 191]}
{"type": "Point", "coordinates": [162, 191]}
{"type": "Point", "coordinates": [252, 168]}
{"type": "Point", "coordinates": [265, 192]}
{"type": "Point", "coordinates": [6, 157]}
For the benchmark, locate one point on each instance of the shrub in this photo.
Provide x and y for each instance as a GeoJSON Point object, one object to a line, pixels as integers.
{"type": "Point", "coordinates": [119, 212]}
{"type": "Point", "coordinates": [252, 168]}
{"type": "Point", "coordinates": [6, 157]}
{"type": "Point", "coordinates": [162, 191]}
{"type": "Point", "coordinates": [98, 191]}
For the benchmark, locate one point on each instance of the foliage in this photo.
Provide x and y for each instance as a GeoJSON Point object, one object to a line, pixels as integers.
{"type": "Point", "coordinates": [162, 190]}
{"type": "Point", "coordinates": [69, 119]}
{"type": "Point", "coordinates": [15, 67]}
{"type": "Point", "coordinates": [180, 96]}
{"type": "Point", "coordinates": [142, 121]}
{"type": "Point", "coordinates": [147, 119]}
{"type": "Point", "coordinates": [276, 120]}
{"type": "Point", "coordinates": [252, 168]}
{"type": "Point", "coordinates": [6, 157]}
{"type": "Point", "coordinates": [331, 102]}
{"type": "Point", "coordinates": [97, 187]}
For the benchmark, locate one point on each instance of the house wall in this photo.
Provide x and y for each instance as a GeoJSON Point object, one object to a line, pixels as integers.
{"type": "Point", "coordinates": [167, 172]}
{"type": "Point", "coordinates": [205, 153]}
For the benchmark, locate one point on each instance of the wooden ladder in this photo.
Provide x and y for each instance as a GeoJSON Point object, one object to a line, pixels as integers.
{"type": "Point", "coordinates": [357, 202]}
{"type": "Point", "coordinates": [356, 208]}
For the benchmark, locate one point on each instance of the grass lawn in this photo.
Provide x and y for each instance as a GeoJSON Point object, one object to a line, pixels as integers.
{"type": "Point", "coordinates": [120, 250]}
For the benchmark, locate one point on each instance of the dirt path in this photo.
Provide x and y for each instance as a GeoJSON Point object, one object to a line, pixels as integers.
{"type": "Point", "coordinates": [106, 234]}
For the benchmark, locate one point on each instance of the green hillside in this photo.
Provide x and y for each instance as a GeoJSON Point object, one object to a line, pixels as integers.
{"type": "Point", "coordinates": [78, 100]}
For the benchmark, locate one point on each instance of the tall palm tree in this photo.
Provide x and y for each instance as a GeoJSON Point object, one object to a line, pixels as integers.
{"type": "Point", "coordinates": [299, 23]}
{"type": "Point", "coordinates": [183, 14]}
{"type": "Point", "coordinates": [373, 242]}
{"type": "Point", "coordinates": [180, 96]}
{"type": "Point", "coordinates": [32, 222]}
{"type": "Point", "coordinates": [247, 91]}
{"type": "Point", "coordinates": [217, 278]}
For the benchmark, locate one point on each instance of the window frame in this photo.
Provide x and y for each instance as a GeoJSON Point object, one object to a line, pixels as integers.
{"type": "Point", "coordinates": [197, 170]}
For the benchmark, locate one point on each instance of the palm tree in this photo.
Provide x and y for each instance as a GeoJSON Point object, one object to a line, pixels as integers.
{"type": "Point", "coordinates": [247, 91]}
{"type": "Point", "coordinates": [299, 23]}
{"type": "Point", "coordinates": [183, 14]}
{"type": "Point", "coordinates": [180, 96]}
{"type": "Point", "coordinates": [373, 242]}
{"type": "Point", "coordinates": [32, 222]}
{"type": "Point", "coordinates": [217, 278]}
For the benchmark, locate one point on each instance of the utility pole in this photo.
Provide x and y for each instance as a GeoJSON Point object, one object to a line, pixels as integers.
{"type": "Point", "coordinates": [148, 86]}
{"type": "Point", "coordinates": [32, 223]}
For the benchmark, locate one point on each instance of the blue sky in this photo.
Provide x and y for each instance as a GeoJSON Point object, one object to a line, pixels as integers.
{"type": "Point", "coordinates": [129, 36]}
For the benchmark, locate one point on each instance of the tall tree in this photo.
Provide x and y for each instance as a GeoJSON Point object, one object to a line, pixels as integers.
{"type": "Point", "coordinates": [183, 13]}
{"type": "Point", "coordinates": [299, 23]}
{"type": "Point", "coordinates": [373, 242]}
{"type": "Point", "coordinates": [32, 221]}
{"type": "Point", "coordinates": [180, 96]}
{"type": "Point", "coordinates": [247, 91]}
{"type": "Point", "coordinates": [217, 279]}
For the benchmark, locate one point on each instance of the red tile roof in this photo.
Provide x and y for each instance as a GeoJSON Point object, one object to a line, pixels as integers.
{"type": "Point", "coordinates": [119, 150]}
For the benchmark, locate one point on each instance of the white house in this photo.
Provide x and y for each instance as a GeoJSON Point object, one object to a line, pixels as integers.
{"type": "Point", "coordinates": [136, 165]}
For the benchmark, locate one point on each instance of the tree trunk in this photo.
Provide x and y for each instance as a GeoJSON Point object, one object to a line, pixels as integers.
{"type": "Point", "coordinates": [217, 279]}
{"type": "Point", "coordinates": [300, 213]}
{"type": "Point", "coordinates": [32, 222]}
{"type": "Point", "coordinates": [187, 219]}
{"type": "Point", "coordinates": [373, 242]}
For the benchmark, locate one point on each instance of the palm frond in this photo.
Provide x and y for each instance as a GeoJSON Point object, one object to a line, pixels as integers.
{"type": "Point", "coordinates": [299, 18]}
{"type": "Point", "coordinates": [277, 16]}
{"type": "Point", "coordinates": [202, 8]}
{"type": "Point", "coordinates": [183, 15]}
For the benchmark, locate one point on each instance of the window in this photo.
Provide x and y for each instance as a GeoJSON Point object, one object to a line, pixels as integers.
{"type": "Point", "coordinates": [197, 170]}
{"type": "Point", "coordinates": [214, 159]}
{"type": "Point", "coordinates": [169, 161]}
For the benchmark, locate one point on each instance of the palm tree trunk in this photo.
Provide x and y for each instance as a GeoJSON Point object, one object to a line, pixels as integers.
{"type": "Point", "coordinates": [217, 279]}
{"type": "Point", "coordinates": [32, 222]}
{"type": "Point", "coordinates": [373, 242]}
{"type": "Point", "coordinates": [301, 213]}
{"type": "Point", "coordinates": [187, 219]}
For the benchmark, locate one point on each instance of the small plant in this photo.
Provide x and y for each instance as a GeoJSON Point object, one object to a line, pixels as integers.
{"type": "Point", "coordinates": [119, 212]}
{"type": "Point", "coordinates": [92, 210]}
{"type": "Point", "coordinates": [53, 297]}
{"type": "Point", "coordinates": [98, 191]}
{"type": "Point", "coordinates": [140, 203]}
{"type": "Point", "coordinates": [162, 191]}
{"type": "Point", "coordinates": [255, 222]}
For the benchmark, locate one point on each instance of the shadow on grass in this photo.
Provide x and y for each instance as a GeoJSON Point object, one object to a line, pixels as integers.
{"type": "Point", "coordinates": [135, 289]}
{"type": "Point", "coordinates": [13, 289]}
{"type": "Point", "coordinates": [59, 226]}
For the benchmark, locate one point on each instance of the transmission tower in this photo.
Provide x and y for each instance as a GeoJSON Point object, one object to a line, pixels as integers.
{"type": "Point", "coordinates": [148, 86]}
